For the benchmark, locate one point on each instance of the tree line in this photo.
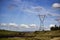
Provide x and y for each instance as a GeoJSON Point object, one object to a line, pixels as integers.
{"type": "Point", "coordinates": [55, 27]}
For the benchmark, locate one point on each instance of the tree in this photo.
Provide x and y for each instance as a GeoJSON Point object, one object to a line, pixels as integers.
{"type": "Point", "coordinates": [55, 28]}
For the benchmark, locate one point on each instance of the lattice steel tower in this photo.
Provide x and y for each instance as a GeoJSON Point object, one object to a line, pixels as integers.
{"type": "Point", "coordinates": [41, 17]}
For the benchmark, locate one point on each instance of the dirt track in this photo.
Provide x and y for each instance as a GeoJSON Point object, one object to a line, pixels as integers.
{"type": "Point", "coordinates": [57, 38]}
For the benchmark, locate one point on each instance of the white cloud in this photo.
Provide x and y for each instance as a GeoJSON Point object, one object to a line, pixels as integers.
{"type": "Point", "coordinates": [35, 10]}
{"type": "Point", "coordinates": [56, 5]}
{"type": "Point", "coordinates": [8, 24]}
{"type": "Point", "coordinates": [53, 14]}
{"type": "Point", "coordinates": [28, 26]}
{"type": "Point", "coordinates": [3, 24]}
{"type": "Point", "coordinates": [32, 25]}
{"type": "Point", "coordinates": [48, 28]}
{"type": "Point", "coordinates": [16, 25]}
{"type": "Point", "coordinates": [12, 24]}
{"type": "Point", "coordinates": [28, 7]}
{"type": "Point", "coordinates": [24, 26]}
{"type": "Point", "coordinates": [52, 25]}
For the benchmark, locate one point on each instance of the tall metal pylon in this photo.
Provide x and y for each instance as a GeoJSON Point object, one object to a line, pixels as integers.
{"type": "Point", "coordinates": [41, 17]}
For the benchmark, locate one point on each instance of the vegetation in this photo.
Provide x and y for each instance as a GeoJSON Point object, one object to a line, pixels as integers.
{"type": "Point", "coordinates": [55, 28]}
{"type": "Point", "coordinates": [37, 35]}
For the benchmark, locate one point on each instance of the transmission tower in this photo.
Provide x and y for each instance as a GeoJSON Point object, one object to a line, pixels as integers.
{"type": "Point", "coordinates": [41, 17]}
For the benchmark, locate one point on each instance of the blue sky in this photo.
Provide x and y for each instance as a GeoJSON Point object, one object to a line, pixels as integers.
{"type": "Point", "coordinates": [18, 12]}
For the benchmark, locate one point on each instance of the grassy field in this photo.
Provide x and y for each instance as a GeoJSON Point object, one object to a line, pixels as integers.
{"type": "Point", "coordinates": [38, 35]}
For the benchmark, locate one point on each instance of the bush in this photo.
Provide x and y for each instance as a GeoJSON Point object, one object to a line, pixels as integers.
{"type": "Point", "coordinates": [55, 28]}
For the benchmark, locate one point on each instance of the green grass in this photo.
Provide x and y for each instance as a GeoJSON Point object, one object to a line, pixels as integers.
{"type": "Point", "coordinates": [39, 35]}
{"type": "Point", "coordinates": [12, 38]}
